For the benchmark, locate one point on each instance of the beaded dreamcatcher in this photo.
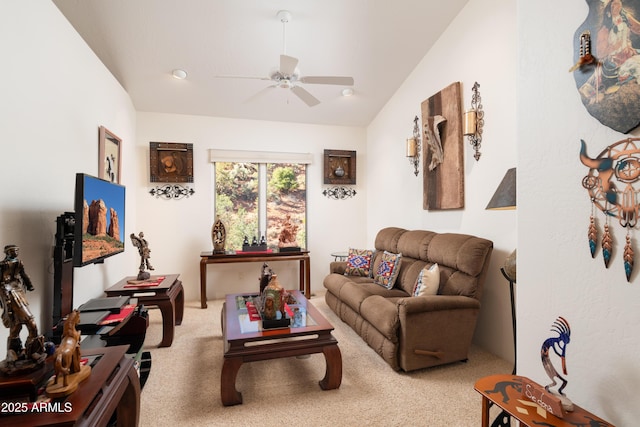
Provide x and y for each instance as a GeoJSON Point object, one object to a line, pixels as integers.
{"type": "Point", "coordinates": [610, 183]}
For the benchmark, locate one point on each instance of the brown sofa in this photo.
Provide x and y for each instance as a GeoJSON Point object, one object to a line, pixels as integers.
{"type": "Point", "coordinates": [415, 332]}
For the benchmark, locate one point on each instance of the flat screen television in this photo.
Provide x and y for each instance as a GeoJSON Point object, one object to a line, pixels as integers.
{"type": "Point", "coordinates": [99, 220]}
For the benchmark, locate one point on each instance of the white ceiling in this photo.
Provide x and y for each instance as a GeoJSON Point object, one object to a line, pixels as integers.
{"type": "Point", "coordinates": [377, 42]}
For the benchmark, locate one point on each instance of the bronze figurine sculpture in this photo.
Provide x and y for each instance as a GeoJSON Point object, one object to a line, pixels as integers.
{"type": "Point", "coordinates": [143, 248]}
{"type": "Point", "coordinates": [14, 282]}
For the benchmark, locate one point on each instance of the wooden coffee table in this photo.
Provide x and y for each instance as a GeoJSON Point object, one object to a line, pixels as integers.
{"type": "Point", "coordinates": [245, 341]}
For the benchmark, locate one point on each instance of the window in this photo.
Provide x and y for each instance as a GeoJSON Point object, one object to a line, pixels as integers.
{"type": "Point", "coordinates": [254, 198]}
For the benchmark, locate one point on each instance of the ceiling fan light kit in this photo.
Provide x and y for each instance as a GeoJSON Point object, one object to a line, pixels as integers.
{"type": "Point", "coordinates": [287, 76]}
{"type": "Point", "coordinates": [284, 16]}
{"type": "Point", "coordinates": [179, 74]}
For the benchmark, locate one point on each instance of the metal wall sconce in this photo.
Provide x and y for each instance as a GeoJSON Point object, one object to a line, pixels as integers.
{"type": "Point", "coordinates": [414, 146]}
{"type": "Point", "coordinates": [474, 121]}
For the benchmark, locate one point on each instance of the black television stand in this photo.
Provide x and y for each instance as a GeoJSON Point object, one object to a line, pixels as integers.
{"type": "Point", "coordinates": [63, 267]}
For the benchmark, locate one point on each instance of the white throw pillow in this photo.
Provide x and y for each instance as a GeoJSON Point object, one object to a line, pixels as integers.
{"type": "Point", "coordinates": [428, 281]}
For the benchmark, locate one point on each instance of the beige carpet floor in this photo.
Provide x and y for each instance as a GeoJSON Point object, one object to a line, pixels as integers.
{"type": "Point", "coordinates": [183, 388]}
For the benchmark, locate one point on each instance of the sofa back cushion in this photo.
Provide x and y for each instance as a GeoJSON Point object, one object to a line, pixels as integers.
{"type": "Point", "coordinates": [462, 259]}
{"type": "Point", "coordinates": [359, 262]}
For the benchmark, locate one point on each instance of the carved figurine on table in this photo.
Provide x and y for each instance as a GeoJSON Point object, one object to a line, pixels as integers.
{"type": "Point", "coordinates": [145, 253]}
{"type": "Point", "coordinates": [66, 363]}
{"type": "Point", "coordinates": [218, 236]}
{"type": "Point", "coordinates": [14, 281]}
{"type": "Point", "coordinates": [265, 276]}
{"type": "Point", "coordinates": [559, 346]}
{"type": "Point", "coordinates": [287, 239]}
{"type": "Point", "coordinates": [273, 297]}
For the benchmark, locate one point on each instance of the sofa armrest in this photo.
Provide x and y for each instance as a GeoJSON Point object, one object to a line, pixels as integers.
{"type": "Point", "coordinates": [338, 267]}
{"type": "Point", "coordinates": [435, 329]}
{"type": "Point", "coordinates": [421, 304]}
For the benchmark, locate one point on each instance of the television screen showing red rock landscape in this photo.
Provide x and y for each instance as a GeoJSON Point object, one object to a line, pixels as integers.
{"type": "Point", "coordinates": [99, 212]}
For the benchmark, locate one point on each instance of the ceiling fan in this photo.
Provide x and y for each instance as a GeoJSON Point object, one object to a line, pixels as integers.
{"type": "Point", "coordinates": [287, 76]}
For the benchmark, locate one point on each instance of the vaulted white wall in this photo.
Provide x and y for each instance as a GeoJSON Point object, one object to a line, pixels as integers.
{"type": "Point", "coordinates": [478, 46]}
{"type": "Point", "coordinates": [556, 275]}
{"type": "Point", "coordinates": [55, 95]}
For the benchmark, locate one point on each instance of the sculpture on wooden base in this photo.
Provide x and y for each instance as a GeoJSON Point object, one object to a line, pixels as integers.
{"type": "Point", "coordinates": [559, 346]}
{"type": "Point", "coordinates": [287, 241]}
{"type": "Point", "coordinates": [218, 236]}
{"type": "Point", "coordinates": [145, 253]}
{"type": "Point", "coordinates": [67, 360]}
{"type": "Point", "coordinates": [14, 282]}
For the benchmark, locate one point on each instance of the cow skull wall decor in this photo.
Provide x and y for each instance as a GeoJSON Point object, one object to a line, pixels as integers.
{"type": "Point", "coordinates": [612, 183]}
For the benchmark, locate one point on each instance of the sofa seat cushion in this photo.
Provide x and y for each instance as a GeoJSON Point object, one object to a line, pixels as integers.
{"type": "Point", "coordinates": [353, 294]}
{"type": "Point", "coordinates": [382, 313]}
{"type": "Point", "coordinates": [334, 282]}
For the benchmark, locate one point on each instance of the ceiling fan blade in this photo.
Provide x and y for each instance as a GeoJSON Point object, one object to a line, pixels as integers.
{"type": "Point", "coordinates": [242, 77]}
{"type": "Point", "coordinates": [327, 80]}
{"type": "Point", "coordinates": [288, 64]}
{"type": "Point", "coordinates": [302, 93]}
{"type": "Point", "coordinates": [259, 94]}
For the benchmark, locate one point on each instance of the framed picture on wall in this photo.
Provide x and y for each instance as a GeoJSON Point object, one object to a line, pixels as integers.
{"type": "Point", "coordinates": [109, 153]}
{"type": "Point", "coordinates": [339, 167]}
{"type": "Point", "coordinates": [170, 162]}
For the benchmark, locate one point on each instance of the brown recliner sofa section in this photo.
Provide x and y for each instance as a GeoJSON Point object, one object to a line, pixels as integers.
{"type": "Point", "coordinates": [415, 332]}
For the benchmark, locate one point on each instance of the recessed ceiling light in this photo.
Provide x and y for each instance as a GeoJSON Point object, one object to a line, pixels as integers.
{"type": "Point", "coordinates": [179, 74]}
{"type": "Point", "coordinates": [347, 92]}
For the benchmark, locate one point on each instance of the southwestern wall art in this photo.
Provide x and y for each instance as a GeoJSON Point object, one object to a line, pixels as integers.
{"type": "Point", "coordinates": [613, 183]}
{"type": "Point", "coordinates": [607, 69]}
{"type": "Point", "coordinates": [443, 181]}
{"type": "Point", "coordinates": [109, 153]}
{"type": "Point", "coordinates": [170, 162]}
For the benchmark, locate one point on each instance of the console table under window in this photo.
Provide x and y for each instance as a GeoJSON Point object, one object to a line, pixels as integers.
{"type": "Point", "coordinates": [211, 258]}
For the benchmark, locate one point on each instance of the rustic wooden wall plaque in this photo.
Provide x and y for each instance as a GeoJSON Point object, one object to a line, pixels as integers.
{"type": "Point", "coordinates": [339, 167]}
{"type": "Point", "coordinates": [443, 186]}
{"type": "Point", "coordinates": [170, 162]}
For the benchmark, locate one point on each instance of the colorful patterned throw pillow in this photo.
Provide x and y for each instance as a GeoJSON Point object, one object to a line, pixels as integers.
{"type": "Point", "coordinates": [359, 262]}
{"type": "Point", "coordinates": [428, 281]}
{"type": "Point", "coordinates": [388, 269]}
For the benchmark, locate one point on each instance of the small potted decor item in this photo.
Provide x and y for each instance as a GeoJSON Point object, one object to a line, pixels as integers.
{"type": "Point", "coordinates": [145, 253]}
{"type": "Point", "coordinates": [218, 236]}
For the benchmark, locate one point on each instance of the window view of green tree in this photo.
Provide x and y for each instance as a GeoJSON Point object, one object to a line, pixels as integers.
{"type": "Point", "coordinates": [237, 201]}
{"type": "Point", "coordinates": [286, 196]}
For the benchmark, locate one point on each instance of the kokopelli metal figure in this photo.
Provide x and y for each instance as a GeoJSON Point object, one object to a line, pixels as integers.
{"type": "Point", "coordinates": [559, 346]}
